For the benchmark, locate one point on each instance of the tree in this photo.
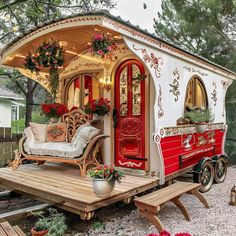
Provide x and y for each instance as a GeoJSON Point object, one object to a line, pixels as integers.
{"type": "Point", "coordinates": [207, 28]}
{"type": "Point", "coordinates": [18, 16]}
{"type": "Point", "coordinates": [204, 27]}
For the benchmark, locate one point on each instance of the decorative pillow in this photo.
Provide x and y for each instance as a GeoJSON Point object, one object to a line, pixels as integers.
{"type": "Point", "coordinates": [74, 140]}
{"type": "Point", "coordinates": [85, 135]}
{"type": "Point", "coordinates": [56, 132]}
{"type": "Point", "coordinates": [29, 135]}
{"type": "Point", "coordinates": [39, 131]}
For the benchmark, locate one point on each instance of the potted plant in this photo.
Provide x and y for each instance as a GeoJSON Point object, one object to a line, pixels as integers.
{"type": "Point", "coordinates": [199, 117]}
{"type": "Point", "coordinates": [48, 55]}
{"type": "Point", "coordinates": [98, 108]}
{"type": "Point", "coordinates": [41, 227]}
{"type": "Point", "coordinates": [104, 178]}
{"type": "Point", "coordinates": [54, 224]}
{"type": "Point", "coordinates": [54, 111]}
{"type": "Point", "coordinates": [102, 45]}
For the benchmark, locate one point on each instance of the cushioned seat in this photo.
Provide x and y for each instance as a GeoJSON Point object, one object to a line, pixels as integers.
{"type": "Point", "coordinates": [80, 146]}
{"type": "Point", "coordinates": [61, 149]}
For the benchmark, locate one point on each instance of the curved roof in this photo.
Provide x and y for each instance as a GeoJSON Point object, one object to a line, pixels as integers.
{"type": "Point", "coordinates": [118, 20]}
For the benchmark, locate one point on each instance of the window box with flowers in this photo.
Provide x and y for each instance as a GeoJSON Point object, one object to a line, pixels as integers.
{"type": "Point", "coordinates": [104, 179]}
{"type": "Point", "coordinates": [98, 108]}
{"type": "Point", "coordinates": [54, 111]}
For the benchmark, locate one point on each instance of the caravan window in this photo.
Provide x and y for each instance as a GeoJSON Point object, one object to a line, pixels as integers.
{"type": "Point", "coordinates": [196, 94]}
{"type": "Point", "coordinates": [82, 89]}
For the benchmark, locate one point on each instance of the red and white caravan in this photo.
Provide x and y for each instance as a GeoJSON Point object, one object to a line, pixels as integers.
{"type": "Point", "coordinates": [150, 83]}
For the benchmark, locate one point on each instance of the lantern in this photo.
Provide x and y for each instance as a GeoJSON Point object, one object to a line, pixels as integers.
{"type": "Point", "coordinates": [233, 196]}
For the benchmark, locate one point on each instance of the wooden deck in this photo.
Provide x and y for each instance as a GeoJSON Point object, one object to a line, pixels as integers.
{"type": "Point", "coordinates": [62, 186]}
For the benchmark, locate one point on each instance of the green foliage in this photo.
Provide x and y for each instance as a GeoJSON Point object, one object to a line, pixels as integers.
{"type": "Point", "coordinates": [106, 172]}
{"type": "Point", "coordinates": [205, 27]}
{"type": "Point", "coordinates": [98, 225]}
{"type": "Point", "coordinates": [54, 223]}
{"type": "Point", "coordinates": [18, 126]}
{"type": "Point", "coordinates": [199, 116]}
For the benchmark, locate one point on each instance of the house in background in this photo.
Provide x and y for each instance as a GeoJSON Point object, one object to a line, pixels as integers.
{"type": "Point", "coordinates": [10, 104]}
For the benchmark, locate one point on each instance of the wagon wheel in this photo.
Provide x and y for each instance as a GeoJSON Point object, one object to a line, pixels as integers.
{"type": "Point", "coordinates": [220, 170]}
{"type": "Point", "coordinates": [205, 177]}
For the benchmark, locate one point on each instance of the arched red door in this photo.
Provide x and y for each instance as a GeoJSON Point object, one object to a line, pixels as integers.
{"type": "Point", "coordinates": [129, 115]}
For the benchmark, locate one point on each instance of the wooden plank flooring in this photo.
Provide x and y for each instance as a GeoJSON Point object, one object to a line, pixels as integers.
{"type": "Point", "coordinates": [62, 185]}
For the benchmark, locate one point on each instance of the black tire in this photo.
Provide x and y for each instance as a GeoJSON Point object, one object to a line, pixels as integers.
{"type": "Point", "coordinates": [205, 177]}
{"type": "Point", "coordinates": [220, 170]}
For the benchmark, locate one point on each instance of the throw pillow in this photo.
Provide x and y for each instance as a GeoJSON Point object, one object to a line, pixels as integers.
{"type": "Point", "coordinates": [85, 135]}
{"type": "Point", "coordinates": [56, 132]}
{"type": "Point", "coordinates": [39, 131]}
{"type": "Point", "coordinates": [76, 136]}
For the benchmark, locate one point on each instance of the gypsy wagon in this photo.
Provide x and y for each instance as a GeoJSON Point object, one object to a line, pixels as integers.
{"type": "Point", "coordinates": [150, 83]}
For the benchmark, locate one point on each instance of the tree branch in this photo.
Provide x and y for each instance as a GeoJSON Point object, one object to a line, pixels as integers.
{"type": "Point", "coordinates": [13, 3]}
{"type": "Point", "coordinates": [34, 87]}
{"type": "Point", "coordinates": [21, 88]}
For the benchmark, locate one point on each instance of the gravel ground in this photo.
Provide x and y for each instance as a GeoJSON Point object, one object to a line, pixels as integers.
{"type": "Point", "coordinates": [124, 220]}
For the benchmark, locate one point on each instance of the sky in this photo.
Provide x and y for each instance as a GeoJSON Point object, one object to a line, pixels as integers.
{"type": "Point", "coordinates": [133, 11]}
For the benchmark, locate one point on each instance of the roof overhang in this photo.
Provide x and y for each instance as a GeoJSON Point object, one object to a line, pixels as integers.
{"type": "Point", "coordinates": [75, 32]}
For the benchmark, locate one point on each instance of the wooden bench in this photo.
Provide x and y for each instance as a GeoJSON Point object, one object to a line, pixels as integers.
{"type": "Point", "coordinates": [7, 230]}
{"type": "Point", "coordinates": [149, 205]}
{"type": "Point", "coordinates": [73, 120]}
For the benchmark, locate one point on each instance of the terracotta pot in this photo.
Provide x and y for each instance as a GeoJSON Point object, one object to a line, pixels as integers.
{"type": "Point", "coordinates": [38, 233]}
{"type": "Point", "coordinates": [103, 187]}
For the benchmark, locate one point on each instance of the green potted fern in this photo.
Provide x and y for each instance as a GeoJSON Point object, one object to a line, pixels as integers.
{"type": "Point", "coordinates": [52, 225]}
{"type": "Point", "coordinates": [200, 117]}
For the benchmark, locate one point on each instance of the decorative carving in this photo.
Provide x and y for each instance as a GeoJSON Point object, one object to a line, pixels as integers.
{"type": "Point", "coordinates": [152, 60]}
{"type": "Point", "coordinates": [130, 126]}
{"type": "Point", "coordinates": [214, 93]}
{"type": "Point", "coordinates": [73, 120]}
{"type": "Point", "coordinates": [130, 164]}
{"type": "Point", "coordinates": [201, 141]}
{"type": "Point", "coordinates": [225, 85]}
{"type": "Point", "coordinates": [160, 111]}
{"type": "Point", "coordinates": [195, 71]}
{"type": "Point", "coordinates": [175, 85]}
{"type": "Point", "coordinates": [211, 137]}
{"type": "Point", "coordinates": [186, 142]}
{"type": "Point", "coordinates": [78, 66]}
{"type": "Point", "coordinates": [189, 129]}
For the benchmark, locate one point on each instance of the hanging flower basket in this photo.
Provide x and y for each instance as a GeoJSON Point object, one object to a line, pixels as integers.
{"type": "Point", "coordinates": [49, 55]}
{"type": "Point", "coordinates": [102, 45]}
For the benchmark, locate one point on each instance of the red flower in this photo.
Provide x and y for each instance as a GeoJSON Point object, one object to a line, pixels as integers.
{"type": "Point", "coordinates": [74, 108]}
{"type": "Point", "coordinates": [54, 110]}
{"type": "Point", "coordinates": [165, 233]}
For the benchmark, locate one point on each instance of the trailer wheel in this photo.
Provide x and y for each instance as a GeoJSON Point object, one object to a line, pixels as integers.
{"type": "Point", "coordinates": [220, 170]}
{"type": "Point", "coordinates": [205, 177]}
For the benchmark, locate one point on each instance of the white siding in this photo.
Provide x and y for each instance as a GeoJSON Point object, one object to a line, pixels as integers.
{"type": "Point", "coordinates": [5, 113]}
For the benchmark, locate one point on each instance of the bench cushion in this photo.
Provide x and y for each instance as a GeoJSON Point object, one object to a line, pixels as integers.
{"type": "Point", "coordinates": [60, 149]}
